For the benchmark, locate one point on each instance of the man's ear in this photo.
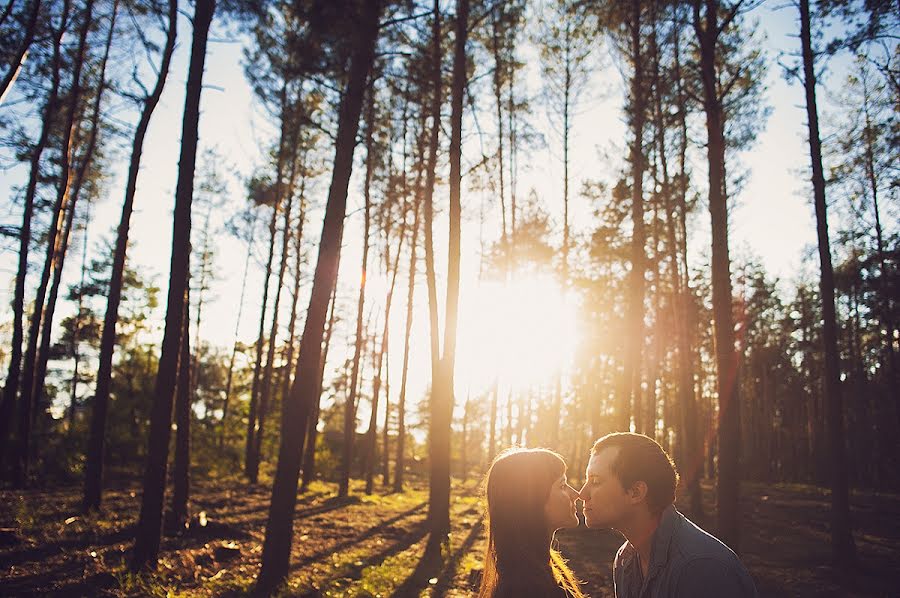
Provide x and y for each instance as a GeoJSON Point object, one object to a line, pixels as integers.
{"type": "Point", "coordinates": [638, 492]}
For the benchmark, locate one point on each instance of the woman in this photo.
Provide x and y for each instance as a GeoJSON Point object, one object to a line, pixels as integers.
{"type": "Point", "coordinates": [528, 500]}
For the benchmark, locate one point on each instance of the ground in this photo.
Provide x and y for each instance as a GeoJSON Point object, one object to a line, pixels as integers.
{"type": "Point", "coordinates": [374, 545]}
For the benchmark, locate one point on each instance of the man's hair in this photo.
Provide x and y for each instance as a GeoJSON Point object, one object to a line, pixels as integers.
{"type": "Point", "coordinates": [641, 459]}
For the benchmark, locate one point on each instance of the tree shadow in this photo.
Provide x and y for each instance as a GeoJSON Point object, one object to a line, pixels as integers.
{"type": "Point", "coordinates": [432, 566]}
{"type": "Point", "coordinates": [45, 551]}
{"type": "Point", "coordinates": [445, 579]}
{"type": "Point", "coordinates": [381, 527]}
{"type": "Point", "coordinates": [354, 572]}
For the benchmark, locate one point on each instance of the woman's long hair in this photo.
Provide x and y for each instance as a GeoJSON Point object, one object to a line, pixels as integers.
{"type": "Point", "coordinates": [519, 558]}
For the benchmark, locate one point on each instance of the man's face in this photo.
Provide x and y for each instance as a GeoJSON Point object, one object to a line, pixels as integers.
{"type": "Point", "coordinates": [606, 502]}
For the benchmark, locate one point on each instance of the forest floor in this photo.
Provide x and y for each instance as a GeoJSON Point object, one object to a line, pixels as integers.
{"type": "Point", "coordinates": [373, 545]}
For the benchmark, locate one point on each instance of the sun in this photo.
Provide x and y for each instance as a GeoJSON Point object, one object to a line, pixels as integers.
{"type": "Point", "coordinates": [521, 334]}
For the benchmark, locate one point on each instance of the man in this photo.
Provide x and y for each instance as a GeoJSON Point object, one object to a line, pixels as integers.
{"type": "Point", "coordinates": [630, 487]}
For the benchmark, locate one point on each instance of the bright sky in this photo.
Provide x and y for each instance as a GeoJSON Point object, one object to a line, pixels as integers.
{"type": "Point", "coordinates": [772, 219]}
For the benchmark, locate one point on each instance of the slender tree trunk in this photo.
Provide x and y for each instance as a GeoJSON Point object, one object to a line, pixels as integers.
{"type": "Point", "coordinates": [496, 16]}
{"type": "Point", "coordinates": [32, 359]}
{"type": "Point", "coordinates": [300, 403]}
{"type": "Point", "coordinates": [149, 526]}
{"type": "Point", "coordinates": [295, 296]}
{"type": "Point", "coordinates": [250, 464]}
{"type": "Point", "coordinates": [692, 444]}
{"type": "Point", "coordinates": [436, 83]}
{"type": "Point", "coordinates": [630, 391]}
{"type": "Point", "coordinates": [75, 193]}
{"type": "Point", "coordinates": [729, 427]}
{"type": "Point", "coordinates": [76, 330]}
{"type": "Point", "coordinates": [843, 549]}
{"type": "Point", "coordinates": [885, 274]}
{"type": "Point", "coordinates": [400, 465]}
{"type": "Point", "coordinates": [266, 382]}
{"type": "Point", "coordinates": [442, 385]}
{"type": "Point", "coordinates": [309, 449]}
{"type": "Point", "coordinates": [234, 346]}
{"type": "Point", "coordinates": [18, 60]}
{"type": "Point", "coordinates": [93, 479]}
{"type": "Point", "coordinates": [350, 405]}
{"type": "Point", "coordinates": [376, 390]}
{"type": "Point", "coordinates": [181, 471]}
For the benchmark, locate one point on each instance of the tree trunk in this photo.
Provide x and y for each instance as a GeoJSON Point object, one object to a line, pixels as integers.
{"type": "Point", "coordinates": [309, 449]}
{"type": "Point", "coordinates": [843, 550]}
{"type": "Point", "coordinates": [726, 359]}
{"type": "Point", "coordinates": [442, 381]}
{"type": "Point", "coordinates": [266, 386]}
{"type": "Point", "coordinates": [376, 390]}
{"type": "Point", "coordinates": [19, 59]}
{"type": "Point", "coordinates": [298, 262]}
{"type": "Point", "coordinates": [428, 200]}
{"type": "Point", "coordinates": [149, 526]}
{"type": "Point", "coordinates": [31, 365]}
{"type": "Point", "coordinates": [630, 392]}
{"type": "Point", "coordinates": [234, 347]}
{"type": "Point", "coordinates": [76, 329]}
{"type": "Point", "coordinates": [80, 174]}
{"type": "Point", "coordinates": [692, 444]}
{"type": "Point", "coordinates": [250, 459]}
{"type": "Point", "coordinates": [350, 405]}
{"type": "Point", "coordinates": [299, 405]}
{"type": "Point", "coordinates": [400, 464]}
{"type": "Point", "coordinates": [181, 474]}
{"type": "Point", "coordinates": [93, 478]}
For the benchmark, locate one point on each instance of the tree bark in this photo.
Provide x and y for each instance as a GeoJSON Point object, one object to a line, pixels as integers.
{"type": "Point", "coordinates": [309, 448]}
{"type": "Point", "coordinates": [442, 382]}
{"type": "Point", "coordinates": [299, 405]}
{"type": "Point", "coordinates": [32, 360]}
{"type": "Point", "coordinates": [843, 550]}
{"type": "Point", "coordinates": [181, 471]}
{"type": "Point", "coordinates": [350, 405]}
{"type": "Point", "coordinates": [630, 392]}
{"type": "Point", "coordinates": [250, 459]}
{"type": "Point", "coordinates": [234, 347]}
{"type": "Point", "coordinates": [18, 60]}
{"type": "Point", "coordinates": [80, 174]}
{"type": "Point", "coordinates": [149, 526]}
{"type": "Point", "coordinates": [93, 478]}
{"type": "Point", "coordinates": [266, 388]}
{"type": "Point", "coordinates": [376, 390]}
{"type": "Point", "coordinates": [729, 428]}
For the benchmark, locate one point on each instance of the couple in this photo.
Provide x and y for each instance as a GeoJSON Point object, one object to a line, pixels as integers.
{"type": "Point", "coordinates": [630, 487]}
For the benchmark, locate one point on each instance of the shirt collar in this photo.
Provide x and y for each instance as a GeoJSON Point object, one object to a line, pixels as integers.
{"type": "Point", "coordinates": [662, 537]}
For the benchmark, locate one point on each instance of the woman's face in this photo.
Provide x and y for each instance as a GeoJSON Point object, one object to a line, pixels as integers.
{"type": "Point", "coordinates": [559, 510]}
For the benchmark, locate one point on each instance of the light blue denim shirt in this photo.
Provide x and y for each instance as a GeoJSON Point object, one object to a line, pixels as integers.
{"type": "Point", "coordinates": [685, 561]}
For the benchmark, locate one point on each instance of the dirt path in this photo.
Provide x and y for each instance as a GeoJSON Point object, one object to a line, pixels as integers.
{"type": "Point", "coordinates": [374, 546]}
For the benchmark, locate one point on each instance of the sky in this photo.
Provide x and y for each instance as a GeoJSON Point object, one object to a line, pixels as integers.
{"type": "Point", "coordinates": [771, 220]}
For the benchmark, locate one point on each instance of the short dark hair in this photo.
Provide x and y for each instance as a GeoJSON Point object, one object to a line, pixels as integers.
{"type": "Point", "coordinates": [641, 459]}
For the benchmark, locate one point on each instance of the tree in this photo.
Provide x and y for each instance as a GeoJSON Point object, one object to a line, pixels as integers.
{"type": "Point", "coordinates": [41, 316]}
{"type": "Point", "coordinates": [149, 526]}
{"type": "Point", "coordinates": [93, 478]}
{"type": "Point", "coordinates": [842, 547]}
{"type": "Point", "coordinates": [442, 379]}
{"type": "Point", "coordinates": [30, 26]}
{"type": "Point", "coordinates": [709, 29]}
{"type": "Point", "coordinates": [350, 405]}
{"type": "Point", "coordinates": [298, 405]}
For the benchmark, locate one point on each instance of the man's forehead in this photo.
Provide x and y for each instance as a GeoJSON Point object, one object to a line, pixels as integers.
{"type": "Point", "coordinates": [601, 462]}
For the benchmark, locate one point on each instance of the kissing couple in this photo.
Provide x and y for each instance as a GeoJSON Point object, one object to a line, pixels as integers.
{"type": "Point", "coordinates": [630, 487]}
